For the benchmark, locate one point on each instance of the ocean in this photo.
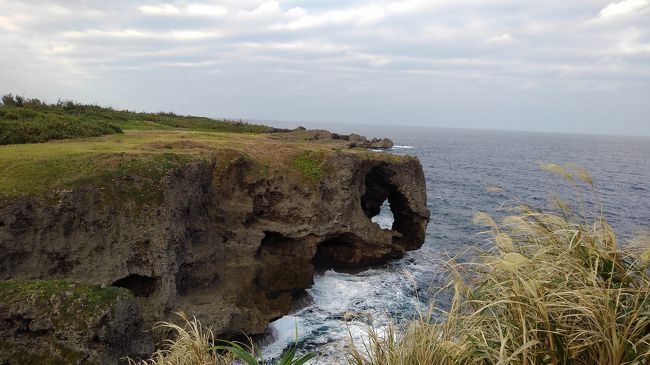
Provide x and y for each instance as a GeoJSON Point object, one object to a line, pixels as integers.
{"type": "Point", "coordinates": [459, 166]}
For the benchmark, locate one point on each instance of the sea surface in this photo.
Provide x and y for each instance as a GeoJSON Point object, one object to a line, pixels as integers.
{"type": "Point", "coordinates": [459, 166]}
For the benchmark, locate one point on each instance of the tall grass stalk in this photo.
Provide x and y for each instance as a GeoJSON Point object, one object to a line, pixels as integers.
{"type": "Point", "coordinates": [189, 344]}
{"type": "Point", "coordinates": [551, 288]}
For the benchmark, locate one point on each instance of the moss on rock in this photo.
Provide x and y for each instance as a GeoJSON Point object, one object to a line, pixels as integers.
{"type": "Point", "coordinates": [62, 322]}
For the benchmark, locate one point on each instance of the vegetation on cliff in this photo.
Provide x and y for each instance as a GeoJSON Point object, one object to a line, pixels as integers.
{"type": "Point", "coordinates": [24, 120]}
{"type": "Point", "coordinates": [63, 322]}
{"type": "Point", "coordinates": [76, 303]}
{"type": "Point", "coordinates": [93, 146]}
{"type": "Point", "coordinates": [550, 288]}
{"type": "Point", "coordinates": [192, 344]}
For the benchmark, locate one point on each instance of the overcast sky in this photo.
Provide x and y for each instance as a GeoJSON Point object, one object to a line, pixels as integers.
{"type": "Point", "coordinates": [552, 65]}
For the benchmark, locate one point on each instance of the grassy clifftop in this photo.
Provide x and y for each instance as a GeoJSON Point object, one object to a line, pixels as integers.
{"type": "Point", "coordinates": [32, 121]}
{"type": "Point", "coordinates": [46, 147]}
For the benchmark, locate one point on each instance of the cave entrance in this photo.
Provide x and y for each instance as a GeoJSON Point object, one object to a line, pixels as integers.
{"type": "Point", "coordinates": [138, 285]}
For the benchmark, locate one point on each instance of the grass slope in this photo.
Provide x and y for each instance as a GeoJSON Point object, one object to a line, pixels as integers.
{"type": "Point", "coordinates": [49, 147]}
{"type": "Point", "coordinates": [32, 121]}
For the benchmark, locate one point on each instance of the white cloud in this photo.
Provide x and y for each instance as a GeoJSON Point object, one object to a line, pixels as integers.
{"type": "Point", "coordinates": [501, 38]}
{"type": "Point", "coordinates": [206, 10]}
{"type": "Point", "coordinates": [192, 9]}
{"type": "Point", "coordinates": [631, 44]}
{"type": "Point", "coordinates": [264, 10]}
{"type": "Point", "coordinates": [165, 9]}
{"type": "Point", "coordinates": [300, 46]}
{"type": "Point", "coordinates": [425, 47]}
{"type": "Point", "coordinates": [181, 35]}
{"type": "Point", "coordinates": [359, 16]}
{"type": "Point", "coordinates": [621, 8]}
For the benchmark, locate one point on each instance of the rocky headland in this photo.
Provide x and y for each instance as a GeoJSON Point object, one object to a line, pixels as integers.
{"type": "Point", "coordinates": [228, 227]}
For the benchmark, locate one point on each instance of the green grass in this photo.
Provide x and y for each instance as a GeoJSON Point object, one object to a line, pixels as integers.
{"type": "Point", "coordinates": [31, 121]}
{"type": "Point", "coordinates": [309, 163]}
{"type": "Point", "coordinates": [67, 145]}
{"type": "Point", "coordinates": [67, 305]}
{"type": "Point", "coordinates": [76, 304]}
{"type": "Point", "coordinates": [28, 175]}
{"type": "Point", "coordinates": [23, 125]}
{"type": "Point", "coordinates": [552, 287]}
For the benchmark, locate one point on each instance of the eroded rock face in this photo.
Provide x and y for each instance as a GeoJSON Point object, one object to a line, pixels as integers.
{"type": "Point", "coordinates": [57, 322]}
{"type": "Point", "coordinates": [230, 248]}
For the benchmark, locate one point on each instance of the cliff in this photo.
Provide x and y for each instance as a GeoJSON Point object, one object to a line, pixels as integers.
{"type": "Point", "coordinates": [227, 227]}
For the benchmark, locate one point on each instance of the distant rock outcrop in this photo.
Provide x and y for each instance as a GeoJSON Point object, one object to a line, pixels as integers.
{"type": "Point", "coordinates": [349, 140]}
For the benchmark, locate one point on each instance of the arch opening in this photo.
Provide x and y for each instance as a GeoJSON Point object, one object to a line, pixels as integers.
{"type": "Point", "coordinates": [384, 218]}
{"type": "Point", "coordinates": [383, 200]}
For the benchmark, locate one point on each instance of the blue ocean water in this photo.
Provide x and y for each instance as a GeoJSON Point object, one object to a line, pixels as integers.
{"type": "Point", "coordinates": [459, 165]}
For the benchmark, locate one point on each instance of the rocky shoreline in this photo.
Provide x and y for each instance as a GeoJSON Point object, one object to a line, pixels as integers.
{"type": "Point", "coordinates": [228, 242]}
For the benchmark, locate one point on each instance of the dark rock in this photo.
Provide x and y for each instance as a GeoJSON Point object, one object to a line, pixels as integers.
{"type": "Point", "coordinates": [380, 143]}
{"type": "Point", "coordinates": [231, 248]}
{"type": "Point", "coordinates": [59, 322]}
{"type": "Point", "coordinates": [278, 130]}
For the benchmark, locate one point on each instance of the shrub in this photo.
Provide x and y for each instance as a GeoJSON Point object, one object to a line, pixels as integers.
{"type": "Point", "coordinates": [9, 100]}
{"type": "Point", "coordinates": [552, 288]}
{"type": "Point", "coordinates": [191, 344]}
{"type": "Point", "coordinates": [15, 130]}
{"type": "Point", "coordinates": [40, 122]}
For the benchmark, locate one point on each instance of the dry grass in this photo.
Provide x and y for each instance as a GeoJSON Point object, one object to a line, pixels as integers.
{"type": "Point", "coordinates": [553, 288]}
{"type": "Point", "coordinates": [37, 168]}
{"type": "Point", "coordinates": [190, 344]}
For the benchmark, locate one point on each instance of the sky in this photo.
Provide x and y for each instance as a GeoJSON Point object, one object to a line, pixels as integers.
{"type": "Point", "coordinates": [554, 65]}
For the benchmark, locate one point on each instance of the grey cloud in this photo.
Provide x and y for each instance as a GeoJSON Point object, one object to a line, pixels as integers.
{"type": "Point", "coordinates": [523, 64]}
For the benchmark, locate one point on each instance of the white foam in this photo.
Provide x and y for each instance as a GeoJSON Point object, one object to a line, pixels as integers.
{"type": "Point", "coordinates": [284, 333]}
{"type": "Point", "coordinates": [385, 217]}
{"type": "Point", "coordinates": [404, 147]}
{"type": "Point", "coordinates": [385, 222]}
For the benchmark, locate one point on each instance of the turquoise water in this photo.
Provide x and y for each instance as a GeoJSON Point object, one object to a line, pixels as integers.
{"type": "Point", "coordinates": [459, 165]}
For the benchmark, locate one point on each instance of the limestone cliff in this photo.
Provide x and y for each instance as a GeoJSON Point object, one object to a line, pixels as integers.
{"type": "Point", "coordinates": [222, 236]}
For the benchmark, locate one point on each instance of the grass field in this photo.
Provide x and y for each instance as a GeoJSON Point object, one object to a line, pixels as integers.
{"type": "Point", "coordinates": [32, 121]}
{"type": "Point", "coordinates": [45, 147]}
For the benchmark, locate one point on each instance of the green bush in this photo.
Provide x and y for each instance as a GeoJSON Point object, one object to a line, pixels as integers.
{"type": "Point", "coordinates": [24, 120]}
{"type": "Point", "coordinates": [25, 126]}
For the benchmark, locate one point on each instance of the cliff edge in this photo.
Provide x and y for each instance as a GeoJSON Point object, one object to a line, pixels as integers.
{"type": "Point", "coordinates": [226, 227]}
